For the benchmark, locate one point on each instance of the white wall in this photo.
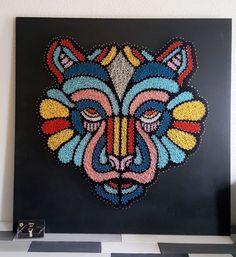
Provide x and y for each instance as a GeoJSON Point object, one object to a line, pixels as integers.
{"type": "Point", "coordinates": [90, 8]}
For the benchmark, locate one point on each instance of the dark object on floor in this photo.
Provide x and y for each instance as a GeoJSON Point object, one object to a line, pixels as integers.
{"type": "Point", "coordinates": [30, 229]}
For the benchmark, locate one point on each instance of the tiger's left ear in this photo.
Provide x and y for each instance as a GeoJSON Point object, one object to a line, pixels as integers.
{"type": "Point", "coordinates": [61, 55]}
{"type": "Point", "coordinates": [180, 57]}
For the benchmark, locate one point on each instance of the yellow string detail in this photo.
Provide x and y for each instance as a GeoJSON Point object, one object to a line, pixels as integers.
{"type": "Point", "coordinates": [133, 60]}
{"type": "Point", "coordinates": [110, 56]}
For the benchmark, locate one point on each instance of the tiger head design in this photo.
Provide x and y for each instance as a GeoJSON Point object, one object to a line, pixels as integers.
{"type": "Point", "coordinates": [121, 114]}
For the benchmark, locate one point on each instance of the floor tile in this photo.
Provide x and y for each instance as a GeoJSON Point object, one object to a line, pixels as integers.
{"type": "Point", "coordinates": [11, 246]}
{"type": "Point", "coordinates": [53, 254]}
{"type": "Point", "coordinates": [177, 239]}
{"type": "Point", "coordinates": [134, 255]}
{"type": "Point", "coordinates": [77, 237]}
{"type": "Point", "coordinates": [85, 247]}
{"type": "Point", "coordinates": [146, 255]}
{"type": "Point", "coordinates": [6, 236]}
{"type": "Point", "coordinates": [197, 248]}
{"type": "Point", "coordinates": [132, 247]}
{"type": "Point", "coordinates": [209, 255]}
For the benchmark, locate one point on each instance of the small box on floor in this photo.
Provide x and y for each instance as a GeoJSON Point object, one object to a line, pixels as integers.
{"type": "Point", "coordinates": [30, 229]}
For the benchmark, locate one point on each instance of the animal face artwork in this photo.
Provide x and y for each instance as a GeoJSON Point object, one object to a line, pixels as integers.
{"type": "Point", "coordinates": [121, 114]}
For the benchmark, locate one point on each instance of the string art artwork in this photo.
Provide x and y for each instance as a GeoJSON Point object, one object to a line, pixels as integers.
{"type": "Point", "coordinates": [121, 114]}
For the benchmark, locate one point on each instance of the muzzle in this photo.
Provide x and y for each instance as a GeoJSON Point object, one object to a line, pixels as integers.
{"type": "Point", "coordinates": [120, 136]}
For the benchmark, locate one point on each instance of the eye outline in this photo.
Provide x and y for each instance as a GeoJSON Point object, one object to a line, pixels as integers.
{"type": "Point", "coordinates": [156, 106]}
{"type": "Point", "coordinates": [85, 114]}
{"type": "Point", "coordinates": [153, 119]}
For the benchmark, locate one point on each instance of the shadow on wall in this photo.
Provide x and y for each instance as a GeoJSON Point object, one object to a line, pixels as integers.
{"type": "Point", "coordinates": [6, 208]}
{"type": "Point", "coordinates": [233, 204]}
{"type": "Point", "coordinates": [223, 217]}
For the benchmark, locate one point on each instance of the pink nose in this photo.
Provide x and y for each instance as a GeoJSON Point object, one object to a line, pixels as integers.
{"type": "Point", "coordinates": [120, 164]}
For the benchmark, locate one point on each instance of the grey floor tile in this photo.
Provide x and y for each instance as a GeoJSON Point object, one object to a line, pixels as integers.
{"type": "Point", "coordinates": [197, 248]}
{"type": "Point", "coordinates": [85, 247]}
{"type": "Point", "coordinates": [210, 255]}
{"type": "Point", "coordinates": [6, 236]}
{"type": "Point", "coordinates": [14, 247]}
{"type": "Point", "coordinates": [82, 237]}
{"type": "Point", "coordinates": [147, 255]}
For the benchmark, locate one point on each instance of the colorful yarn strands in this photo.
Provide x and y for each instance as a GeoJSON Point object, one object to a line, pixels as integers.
{"type": "Point", "coordinates": [122, 114]}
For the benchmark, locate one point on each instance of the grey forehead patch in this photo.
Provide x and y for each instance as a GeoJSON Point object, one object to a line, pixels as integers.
{"type": "Point", "coordinates": [120, 72]}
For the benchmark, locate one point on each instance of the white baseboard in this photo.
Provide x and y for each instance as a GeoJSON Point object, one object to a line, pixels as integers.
{"type": "Point", "coordinates": [6, 226]}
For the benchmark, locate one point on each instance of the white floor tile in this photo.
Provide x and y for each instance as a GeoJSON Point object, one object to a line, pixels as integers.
{"type": "Point", "coordinates": [131, 247]}
{"type": "Point", "coordinates": [77, 237]}
{"type": "Point", "coordinates": [177, 239]}
{"type": "Point", "coordinates": [209, 255]}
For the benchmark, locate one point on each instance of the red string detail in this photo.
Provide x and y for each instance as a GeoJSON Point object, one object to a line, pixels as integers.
{"type": "Point", "coordinates": [113, 185]}
{"type": "Point", "coordinates": [192, 127]}
{"type": "Point", "coordinates": [51, 64]}
{"type": "Point", "coordinates": [126, 185]}
{"type": "Point", "coordinates": [169, 50]}
{"type": "Point", "coordinates": [138, 55]}
{"type": "Point", "coordinates": [53, 126]}
{"type": "Point", "coordinates": [102, 55]}
{"type": "Point", "coordinates": [189, 67]}
{"type": "Point", "coordinates": [131, 136]}
{"type": "Point", "coordinates": [110, 135]}
{"type": "Point", "coordinates": [67, 43]}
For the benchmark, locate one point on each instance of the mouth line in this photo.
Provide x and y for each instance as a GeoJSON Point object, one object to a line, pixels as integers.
{"type": "Point", "coordinates": [119, 191]}
{"type": "Point", "coordinates": [121, 183]}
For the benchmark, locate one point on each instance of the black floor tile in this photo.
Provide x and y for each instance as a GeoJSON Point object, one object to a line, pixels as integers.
{"type": "Point", "coordinates": [133, 255]}
{"type": "Point", "coordinates": [146, 255]}
{"type": "Point", "coordinates": [83, 247]}
{"type": "Point", "coordinates": [198, 248]}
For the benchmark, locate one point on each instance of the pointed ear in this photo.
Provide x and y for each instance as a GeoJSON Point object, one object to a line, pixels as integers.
{"type": "Point", "coordinates": [61, 55]}
{"type": "Point", "coordinates": [179, 56]}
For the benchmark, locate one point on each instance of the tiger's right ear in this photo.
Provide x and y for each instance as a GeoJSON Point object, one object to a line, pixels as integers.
{"type": "Point", "coordinates": [61, 55]}
{"type": "Point", "coordinates": [179, 56]}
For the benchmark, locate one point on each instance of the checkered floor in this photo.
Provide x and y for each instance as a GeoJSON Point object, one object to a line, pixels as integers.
{"type": "Point", "coordinates": [107, 245]}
